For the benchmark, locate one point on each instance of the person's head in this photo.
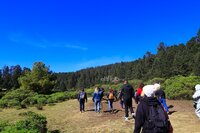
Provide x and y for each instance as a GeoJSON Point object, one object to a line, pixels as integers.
{"type": "Point", "coordinates": [148, 90]}
{"type": "Point", "coordinates": [110, 89]}
{"type": "Point", "coordinates": [197, 87]}
{"type": "Point", "coordinates": [82, 89]}
{"type": "Point", "coordinates": [125, 81]}
{"type": "Point", "coordinates": [156, 86]}
{"type": "Point", "coordinates": [96, 89]}
{"type": "Point", "coordinates": [141, 85]}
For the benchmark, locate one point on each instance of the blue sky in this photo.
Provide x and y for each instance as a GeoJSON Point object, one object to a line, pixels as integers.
{"type": "Point", "coordinates": [69, 35]}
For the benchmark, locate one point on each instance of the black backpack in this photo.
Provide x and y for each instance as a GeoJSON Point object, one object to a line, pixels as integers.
{"type": "Point", "coordinates": [157, 121]}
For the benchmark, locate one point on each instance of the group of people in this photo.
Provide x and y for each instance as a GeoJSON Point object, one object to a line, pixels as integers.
{"type": "Point", "coordinates": [152, 111]}
{"type": "Point", "coordinates": [150, 99]}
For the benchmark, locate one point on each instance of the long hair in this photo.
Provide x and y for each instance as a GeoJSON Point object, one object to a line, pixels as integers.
{"type": "Point", "coordinates": [141, 85]}
{"type": "Point", "coordinates": [96, 89]}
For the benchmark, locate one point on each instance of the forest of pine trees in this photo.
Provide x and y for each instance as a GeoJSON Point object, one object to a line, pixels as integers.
{"type": "Point", "coordinates": [181, 59]}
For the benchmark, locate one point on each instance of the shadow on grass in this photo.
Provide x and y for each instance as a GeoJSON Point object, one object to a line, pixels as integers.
{"type": "Point", "coordinates": [170, 106]}
{"type": "Point", "coordinates": [90, 110]}
{"type": "Point", "coordinates": [171, 112]}
{"type": "Point", "coordinates": [115, 111]}
{"type": "Point", "coordinates": [55, 131]}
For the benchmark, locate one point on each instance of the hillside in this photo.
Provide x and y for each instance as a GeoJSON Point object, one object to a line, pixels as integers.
{"type": "Point", "coordinates": [66, 117]}
{"type": "Point", "coordinates": [168, 61]}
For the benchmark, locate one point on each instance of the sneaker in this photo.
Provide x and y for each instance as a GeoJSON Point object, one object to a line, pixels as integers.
{"type": "Point", "coordinates": [126, 118]}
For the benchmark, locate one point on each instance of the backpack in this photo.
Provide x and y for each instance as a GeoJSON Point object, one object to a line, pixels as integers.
{"type": "Point", "coordinates": [111, 95]}
{"type": "Point", "coordinates": [82, 95]}
{"type": "Point", "coordinates": [157, 121]}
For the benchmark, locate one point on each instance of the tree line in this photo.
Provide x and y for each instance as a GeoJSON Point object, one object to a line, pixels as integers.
{"type": "Point", "coordinates": [178, 59]}
{"type": "Point", "coordinates": [169, 61]}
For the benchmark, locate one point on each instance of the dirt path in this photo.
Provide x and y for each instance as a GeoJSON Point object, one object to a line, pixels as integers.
{"type": "Point", "coordinates": [67, 118]}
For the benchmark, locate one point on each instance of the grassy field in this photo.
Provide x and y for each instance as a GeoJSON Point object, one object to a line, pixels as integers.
{"type": "Point", "coordinates": [66, 117]}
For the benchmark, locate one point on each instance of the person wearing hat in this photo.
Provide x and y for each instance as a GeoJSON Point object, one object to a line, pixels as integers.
{"type": "Point", "coordinates": [160, 94]}
{"type": "Point", "coordinates": [196, 98]}
{"type": "Point", "coordinates": [143, 113]}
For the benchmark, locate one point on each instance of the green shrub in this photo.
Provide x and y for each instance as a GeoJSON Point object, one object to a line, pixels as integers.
{"type": "Point", "coordinates": [180, 87]}
{"type": "Point", "coordinates": [13, 129]}
{"type": "Point", "coordinates": [89, 91]}
{"type": "Point", "coordinates": [33, 123]}
{"type": "Point", "coordinates": [13, 103]}
{"type": "Point", "coordinates": [3, 103]}
{"type": "Point", "coordinates": [16, 98]}
{"type": "Point", "coordinates": [71, 94]}
{"type": "Point", "coordinates": [3, 125]}
{"type": "Point", "coordinates": [156, 80]}
{"type": "Point", "coordinates": [135, 83]}
{"type": "Point", "coordinates": [56, 97]}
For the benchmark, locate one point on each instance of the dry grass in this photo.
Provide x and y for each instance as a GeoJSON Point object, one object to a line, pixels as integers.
{"type": "Point", "coordinates": [67, 118]}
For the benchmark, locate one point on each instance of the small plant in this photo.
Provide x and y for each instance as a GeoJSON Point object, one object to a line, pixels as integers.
{"type": "Point", "coordinates": [39, 106]}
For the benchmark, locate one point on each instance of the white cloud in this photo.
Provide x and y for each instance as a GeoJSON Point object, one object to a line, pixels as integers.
{"type": "Point", "coordinates": [102, 61]}
{"type": "Point", "coordinates": [22, 39]}
{"type": "Point", "coordinates": [75, 47]}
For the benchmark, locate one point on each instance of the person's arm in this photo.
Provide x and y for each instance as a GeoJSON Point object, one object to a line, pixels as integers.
{"type": "Point", "coordinates": [78, 96]}
{"type": "Point", "coordinates": [107, 95]}
{"type": "Point", "coordinates": [115, 94]}
{"type": "Point", "coordinates": [164, 96]}
{"type": "Point", "coordinates": [121, 94]}
{"type": "Point", "coordinates": [133, 93]}
{"type": "Point", "coordinates": [93, 97]}
{"type": "Point", "coordinates": [196, 95]}
{"type": "Point", "coordinates": [85, 96]}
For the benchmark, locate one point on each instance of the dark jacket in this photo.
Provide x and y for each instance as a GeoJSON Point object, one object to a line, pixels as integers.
{"type": "Point", "coordinates": [142, 113]}
{"type": "Point", "coordinates": [127, 92]}
{"type": "Point", "coordinates": [85, 97]}
{"type": "Point", "coordinates": [160, 94]}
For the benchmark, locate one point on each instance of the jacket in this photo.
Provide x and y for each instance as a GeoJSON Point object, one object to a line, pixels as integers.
{"type": "Point", "coordinates": [142, 113]}
{"type": "Point", "coordinates": [127, 92]}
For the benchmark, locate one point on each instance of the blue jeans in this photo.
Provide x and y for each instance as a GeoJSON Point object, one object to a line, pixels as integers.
{"type": "Point", "coordinates": [82, 105]}
{"type": "Point", "coordinates": [96, 105]}
{"type": "Point", "coordinates": [163, 102]}
{"type": "Point", "coordinates": [110, 104]}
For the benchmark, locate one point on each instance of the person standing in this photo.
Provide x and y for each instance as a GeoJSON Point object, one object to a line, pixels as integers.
{"type": "Point", "coordinates": [127, 93]}
{"type": "Point", "coordinates": [150, 114]}
{"type": "Point", "coordinates": [160, 94]}
{"type": "Point", "coordinates": [97, 99]}
{"type": "Point", "coordinates": [82, 98]}
{"type": "Point", "coordinates": [138, 93]}
{"type": "Point", "coordinates": [121, 102]}
{"type": "Point", "coordinates": [111, 96]}
{"type": "Point", "coordinates": [196, 98]}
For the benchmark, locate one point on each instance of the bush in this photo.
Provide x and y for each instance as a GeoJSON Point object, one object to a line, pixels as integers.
{"type": "Point", "coordinates": [135, 83]}
{"type": "Point", "coordinates": [3, 103]}
{"type": "Point", "coordinates": [180, 87]}
{"type": "Point", "coordinates": [33, 123]}
{"type": "Point", "coordinates": [156, 80]}
{"type": "Point", "coordinates": [3, 125]}
{"type": "Point", "coordinates": [57, 97]}
{"type": "Point", "coordinates": [16, 98]}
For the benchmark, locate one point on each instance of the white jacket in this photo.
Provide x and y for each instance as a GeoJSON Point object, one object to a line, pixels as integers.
{"type": "Point", "coordinates": [197, 93]}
